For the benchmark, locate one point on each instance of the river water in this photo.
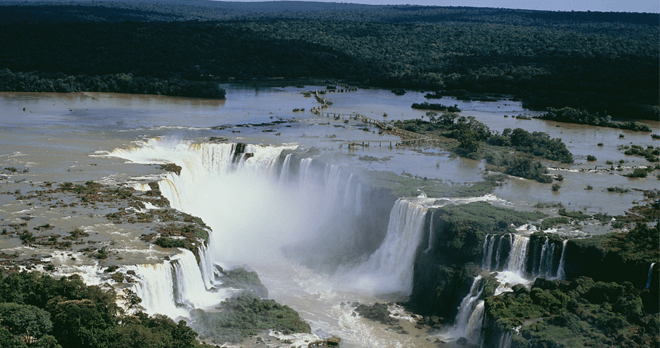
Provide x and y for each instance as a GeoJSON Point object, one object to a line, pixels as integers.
{"type": "Point", "coordinates": [260, 207]}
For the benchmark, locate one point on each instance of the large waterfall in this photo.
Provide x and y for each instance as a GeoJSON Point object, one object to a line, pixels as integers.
{"type": "Point", "coordinates": [390, 268]}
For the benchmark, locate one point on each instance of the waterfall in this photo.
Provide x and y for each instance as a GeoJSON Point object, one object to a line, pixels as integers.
{"type": "Point", "coordinates": [487, 262]}
{"type": "Point", "coordinates": [303, 174]}
{"type": "Point", "coordinates": [505, 340]}
{"type": "Point", "coordinates": [547, 259]}
{"type": "Point", "coordinates": [358, 199]}
{"type": "Point", "coordinates": [156, 289]}
{"type": "Point", "coordinates": [428, 248]}
{"type": "Point", "coordinates": [499, 251]}
{"type": "Point", "coordinates": [284, 174]}
{"type": "Point", "coordinates": [649, 277]}
{"type": "Point", "coordinates": [562, 260]}
{"type": "Point", "coordinates": [468, 305]}
{"type": "Point", "coordinates": [473, 329]}
{"type": "Point", "coordinates": [390, 268]}
{"type": "Point", "coordinates": [518, 255]}
{"type": "Point", "coordinates": [332, 176]}
{"type": "Point", "coordinates": [348, 200]}
{"type": "Point", "coordinates": [206, 267]}
{"type": "Point", "coordinates": [189, 283]}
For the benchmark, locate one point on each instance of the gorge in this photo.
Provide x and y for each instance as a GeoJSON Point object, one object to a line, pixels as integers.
{"type": "Point", "coordinates": [324, 227]}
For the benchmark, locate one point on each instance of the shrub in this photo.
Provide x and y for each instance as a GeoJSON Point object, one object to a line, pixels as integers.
{"type": "Point", "coordinates": [638, 173]}
{"type": "Point", "coordinates": [591, 158]}
{"type": "Point", "coordinates": [556, 187]}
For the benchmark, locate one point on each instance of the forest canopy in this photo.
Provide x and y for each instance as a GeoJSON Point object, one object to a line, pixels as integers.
{"type": "Point", "coordinates": [599, 62]}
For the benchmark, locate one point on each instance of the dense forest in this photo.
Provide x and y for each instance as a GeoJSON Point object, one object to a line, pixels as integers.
{"type": "Point", "coordinates": [598, 62]}
{"type": "Point", "coordinates": [39, 311]}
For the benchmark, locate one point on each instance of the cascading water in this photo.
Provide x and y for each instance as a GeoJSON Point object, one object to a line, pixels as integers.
{"type": "Point", "coordinates": [547, 260]}
{"type": "Point", "coordinates": [253, 211]}
{"type": "Point", "coordinates": [389, 269]}
{"type": "Point", "coordinates": [428, 248]}
{"type": "Point", "coordinates": [304, 173]}
{"type": "Point", "coordinates": [358, 199]}
{"type": "Point", "coordinates": [156, 289]}
{"type": "Point", "coordinates": [284, 174]}
{"type": "Point", "coordinates": [518, 255]}
{"type": "Point", "coordinates": [562, 260]}
{"type": "Point", "coordinates": [467, 315]}
{"type": "Point", "coordinates": [649, 276]}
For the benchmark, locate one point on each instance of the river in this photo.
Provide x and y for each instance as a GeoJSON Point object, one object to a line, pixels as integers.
{"type": "Point", "coordinates": [260, 206]}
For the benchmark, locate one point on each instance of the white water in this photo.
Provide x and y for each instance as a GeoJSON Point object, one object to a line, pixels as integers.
{"type": "Point", "coordinates": [253, 212]}
{"type": "Point", "coordinates": [649, 276]}
{"type": "Point", "coordinates": [156, 289]}
{"type": "Point", "coordinates": [560, 269]}
{"type": "Point", "coordinates": [428, 248]}
{"type": "Point", "coordinates": [518, 255]}
{"type": "Point", "coordinates": [284, 174]}
{"type": "Point", "coordinates": [389, 269]}
{"type": "Point", "coordinates": [468, 316]}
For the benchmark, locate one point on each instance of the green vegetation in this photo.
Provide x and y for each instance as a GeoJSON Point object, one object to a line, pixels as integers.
{"type": "Point", "coordinates": [438, 107]}
{"type": "Point", "coordinates": [640, 243]}
{"type": "Point", "coordinates": [240, 278]}
{"type": "Point", "coordinates": [471, 134]}
{"type": "Point", "coordinates": [638, 173]}
{"type": "Point", "coordinates": [591, 61]}
{"type": "Point", "coordinates": [171, 167]}
{"type": "Point", "coordinates": [574, 314]}
{"type": "Point", "coordinates": [549, 222]}
{"type": "Point", "coordinates": [572, 115]}
{"type": "Point", "coordinates": [244, 316]}
{"type": "Point", "coordinates": [115, 83]}
{"type": "Point", "coordinates": [406, 185]}
{"type": "Point", "coordinates": [591, 158]}
{"type": "Point", "coordinates": [170, 242]}
{"type": "Point", "coordinates": [617, 189]}
{"type": "Point", "coordinates": [577, 215]}
{"type": "Point", "coordinates": [68, 313]}
{"type": "Point", "coordinates": [650, 153]}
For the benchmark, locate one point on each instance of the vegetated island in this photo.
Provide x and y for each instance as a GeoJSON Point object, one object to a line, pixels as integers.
{"type": "Point", "coordinates": [599, 62]}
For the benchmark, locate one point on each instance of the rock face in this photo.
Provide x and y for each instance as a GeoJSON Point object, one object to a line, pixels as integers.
{"type": "Point", "coordinates": [449, 259]}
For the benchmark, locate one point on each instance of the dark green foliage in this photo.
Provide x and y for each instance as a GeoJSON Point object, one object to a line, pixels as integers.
{"type": "Point", "coordinates": [526, 168]}
{"type": "Point", "coordinates": [79, 315]}
{"type": "Point", "coordinates": [116, 83]}
{"type": "Point", "coordinates": [539, 144]}
{"type": "Point", "coordinates": [463, 228]}
{"type": "Point", "coordinates": [549, 222]}
{"type": "Point", "coordinates": [641, 243]}
{"type": "Point", "coordinates": [244, 316]}
{"type": "Point", "coordinates": [638, 173]}
{"type": "Point", "coordinates": [575, 64]}
{"type": "Point", "coordinates": [240, 278]}
{"type": "Point", "coordinates": [572, 115]}
{"type": "Point", "coordinates": [650, 153]}
{"type": "Point", "coordinates": [577, 313]}
{"type": "Point", "coordinates": [591, 158]}
{"type": "Point", "coordinates": [578, 215]}
{"type": "Point", "coordinates": [170, 242]}
{"type": "Point", "coordinates": [25, 319]}
{"type": "Point", "coordinates": [438, 107]}
{"type": "Point", "coordinates": [556, 187]}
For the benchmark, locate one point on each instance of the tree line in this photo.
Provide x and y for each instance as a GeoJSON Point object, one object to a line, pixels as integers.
{"type": "Point", "coordinates": [604, 63]}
